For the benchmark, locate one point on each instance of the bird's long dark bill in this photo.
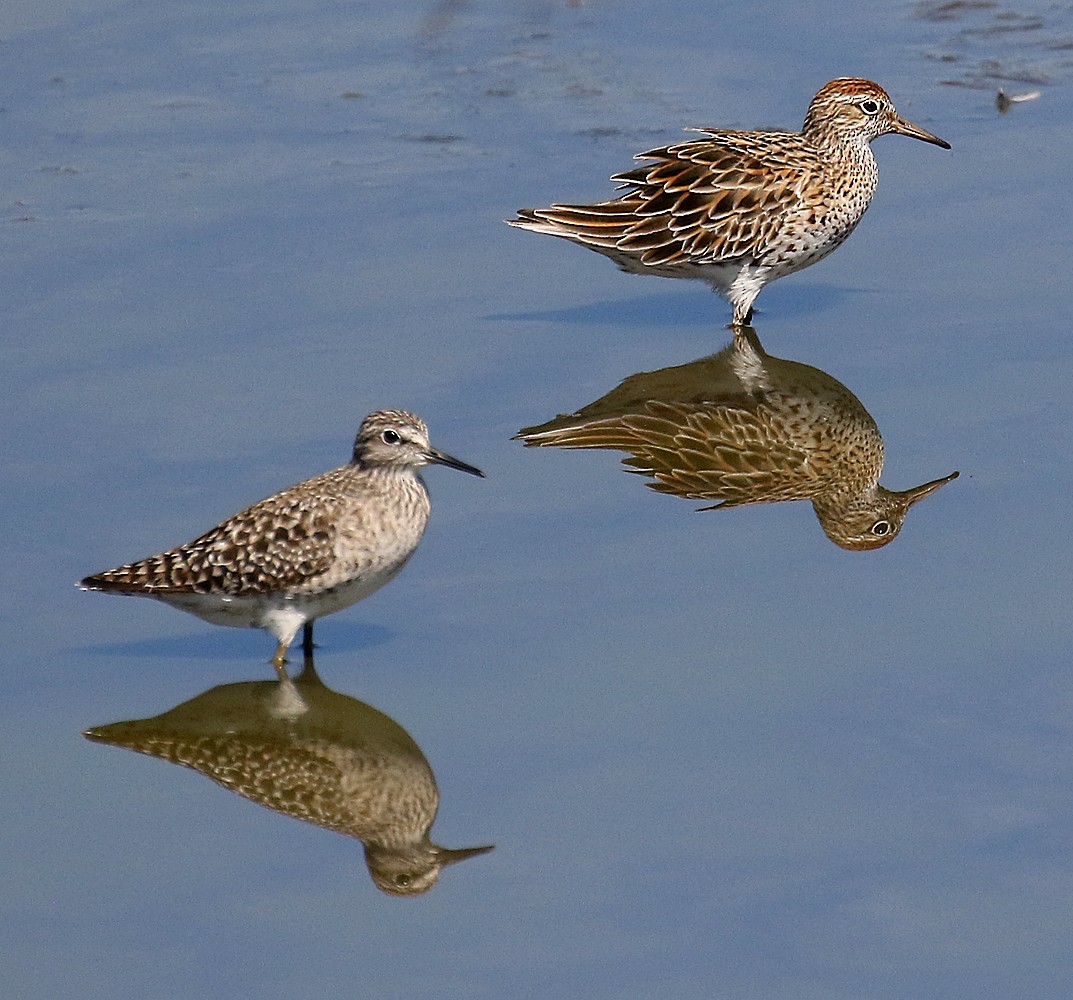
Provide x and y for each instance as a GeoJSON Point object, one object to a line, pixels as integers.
{"type": "Point", "coordinates": [449, 856]}
{"type": "Point", "coordinates": [922, 491]}
{"type": "Point", "coordinates": [437, 457]}
{"type": "Point", "coordinates": [916, 132]}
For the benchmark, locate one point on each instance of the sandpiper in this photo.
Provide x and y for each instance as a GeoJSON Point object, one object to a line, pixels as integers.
{"type": "Point", "coordinates": [307, 751]}
{"type": "Point", "coordinates": [739, 209]}
{"type": "Point", "coordinates": [308, 551]}
{"type": "Point", "coordinates": [744, 427]}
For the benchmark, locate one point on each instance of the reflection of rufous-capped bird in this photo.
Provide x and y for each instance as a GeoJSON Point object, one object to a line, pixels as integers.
{"type": "Point", "coordinates": [302, 749]}
{"type": "Point", "coordinates": [743, 427]}
{"type": "Point", "coordinates": [308, 551]}
{"type": "Point", "coordinates": [740, 209]}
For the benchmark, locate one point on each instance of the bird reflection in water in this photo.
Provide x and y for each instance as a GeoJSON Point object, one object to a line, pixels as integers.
{"type": "Point", "coordinates": [743, 427]}
{"type": "Point", "coordinates": [302, 749]}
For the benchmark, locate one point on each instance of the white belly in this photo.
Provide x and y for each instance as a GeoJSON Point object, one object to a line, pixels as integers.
{"type": "Point", "coordinates": [283, 613]}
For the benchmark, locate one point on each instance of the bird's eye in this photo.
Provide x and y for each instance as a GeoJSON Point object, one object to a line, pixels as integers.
{"type": "Point", "coordinates": [390, 437]}
{"type": "Point", "coordinates": [870, 107]}
{"type": "Point", "coordinates": [881, 528]}
{"type": "Point", "coordinates": [402, 881]}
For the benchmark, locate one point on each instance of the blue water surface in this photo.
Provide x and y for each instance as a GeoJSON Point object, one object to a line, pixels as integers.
{"type": "Point", "coordinates": [719, 757]}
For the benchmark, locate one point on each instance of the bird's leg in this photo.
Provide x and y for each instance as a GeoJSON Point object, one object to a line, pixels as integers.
{"type": "Point", "coordinates": [309, 668]}
{"type": "Point", "coordinates": [279, 661]}
{"type": "Point", "coordinates": [741, 319]}
{"type": "Point", "coordinates": [307, 639]}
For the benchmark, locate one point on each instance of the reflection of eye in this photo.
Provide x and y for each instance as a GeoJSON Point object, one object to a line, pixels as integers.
{"type": "Point", "coordinates": [402, 881]}
{"type": "Point", "coordinates": [390, 437]}
{"type": "Point", "coordinates": [870, 107]}
{"type": "Point", "coordinates": [881, 528]}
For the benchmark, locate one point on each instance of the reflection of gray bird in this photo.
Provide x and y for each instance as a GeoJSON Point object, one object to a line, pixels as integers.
{"type": "Point", "coordinates": [740, 209]}
{"type": "Point", "coordinates": [743, 427]}
{"type": "Point", "coordinates": [309, 551]}
{"type": "Point", "coordinates": [317, 755]}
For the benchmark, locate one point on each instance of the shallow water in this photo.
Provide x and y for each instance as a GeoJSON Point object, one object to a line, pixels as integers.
{"type": "Point", "coordinates": [718, 755]}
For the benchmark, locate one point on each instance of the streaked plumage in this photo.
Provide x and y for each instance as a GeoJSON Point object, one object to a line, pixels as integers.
{"type": "Point", "coordinates": [739, 209]}
{"type": "Point", "coordinates": [743, 427]}
{"type": "Point", "coordinates": [308, 551]}
{"type": "Point", "coordinates": [309, 752]}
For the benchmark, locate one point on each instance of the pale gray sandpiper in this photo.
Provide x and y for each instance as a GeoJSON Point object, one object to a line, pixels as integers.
{"type": "Point", "coordinates": [309, 551]}
{"type": "Point", "coordinates": [739, 209]}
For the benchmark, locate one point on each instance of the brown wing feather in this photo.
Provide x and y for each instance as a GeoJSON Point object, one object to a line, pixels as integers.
{"type": "Point", "coordinates": [731, 454]}
{"type": "Point", "coordinates": [275, 544]}
{"type": "Point", "coordinates": [715, 196]}
{"type": "Point", "coordinates": [699, 201]}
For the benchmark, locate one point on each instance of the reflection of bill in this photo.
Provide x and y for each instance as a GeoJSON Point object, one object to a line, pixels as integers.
{"type": "Point", "coordinates": [312, 753]}
{"type": "Point", "coordinates": [743, 427]}
{"type": "Point", "coordinates": [308, 551]}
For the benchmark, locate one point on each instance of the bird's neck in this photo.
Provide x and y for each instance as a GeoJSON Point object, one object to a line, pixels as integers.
{"type": "Point", "coordinates": [853, 147]}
